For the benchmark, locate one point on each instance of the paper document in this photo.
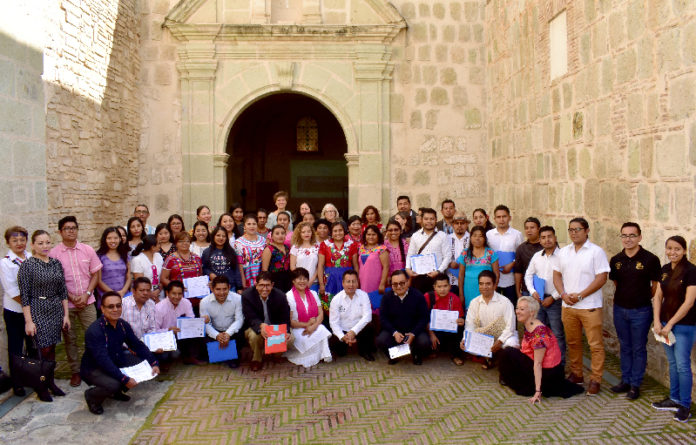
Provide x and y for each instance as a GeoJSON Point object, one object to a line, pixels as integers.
{"type": "Point", "coordinates": [141, 372]}
{"type": "Point", "coordinates": [190, 328]}
{"type": "Point", "coordinates": [669, 341]}
{"type": "Point", "coordinates": [304, 343]}
{"type": "Point", "coordinates": [445, 321]}
{"type": "Point", "coordinates": [399, 351]}
{"type": "Point", "coordinates": [160, 340]}
{"type": "Point", "coordinates": [478, 344]}
{"type": "Point", "coordinates": [505, 258]}
{"type": "Point", "coordinates": [422, 264]}
{"type": "Point", "coordinates": [196, 287]}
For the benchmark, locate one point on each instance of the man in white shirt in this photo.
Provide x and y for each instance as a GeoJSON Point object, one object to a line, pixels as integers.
{"type": "Point", "coordinates": [428, 241]}
{"type": "Point", "coordinates": [579, 275]}
{"type": "Point", "coordinates": [141, 211]}
{"type": "Point", "coordinates": [505, 240]}
{"type": "Point", "coordinates": [493, 314]}
{"type": "Point", "coordinates": [541, 266]}
{"type": "Point", "coordinates": [350, 315]}
{"type": "Point", "coordinates": [139, 309]}
{"type": "Point", "coordinates": [224, 310]}
{"type": "Point", "coordinates": [459, 241]}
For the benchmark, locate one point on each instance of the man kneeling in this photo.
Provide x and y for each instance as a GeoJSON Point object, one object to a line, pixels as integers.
{"type": "Point", "coordinates": [224, 308]}
{"type": "Point", "coordinates": [104, 355]}
{"type": "Point", "coordinates": [350, 317]}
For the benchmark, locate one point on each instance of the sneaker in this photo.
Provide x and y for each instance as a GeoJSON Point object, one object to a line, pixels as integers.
{"type": "Point", "coordinates": [683, 414]}
{"type": "Point", "coordinates": [621, 387]}
{"type": "Point", "coordinates": [666, 405]}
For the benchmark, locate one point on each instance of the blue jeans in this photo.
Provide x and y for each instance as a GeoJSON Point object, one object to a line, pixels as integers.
{"type": "Point", "coordinates": [551, 317]}
{"type": "Point", "coordinates": [632, 327]}
{"type": "Point", "coordinates": [679, 359]}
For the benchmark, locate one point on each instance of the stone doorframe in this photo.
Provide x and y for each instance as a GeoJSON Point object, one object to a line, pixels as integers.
{"type": "Point", "coordinates": [224, 68]}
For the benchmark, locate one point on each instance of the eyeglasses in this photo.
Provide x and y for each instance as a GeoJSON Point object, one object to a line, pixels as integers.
{"type": "Point", "coordinates": [575, 229]}
{"type": "Point", "coordinates": [398, 283]}
{"type": "Point", "coordinates": [113, 306]}
{"type": "Point", "coordinates": [70, 229]}
{"type": "Point", "coordinates": [630, 235]}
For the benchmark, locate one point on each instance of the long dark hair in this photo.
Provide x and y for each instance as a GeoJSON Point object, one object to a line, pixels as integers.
{"type": "Point", "coordinates": [131, 220]}
{"type": "Point", "coordinates": [363, 217]}
{"type": "Point", "coordinates": [393, 222]}
{"type": "Point", "coordinates": [470, 250]}
{"type": "Point", "coordinates": [122, 248]}
{"type": "Point", "coordinates": [489, 225]}
{"type": "Point", "coordinates": [172, 218]}
{"type": "Point", "coordinates": [148, 243]}
{"type": "Point", "coordinates": [162, 226]}
{"type": "Point", "coordinates": [673, 288]}
{"type": "Point", "coordinates": [227, 250]}
{"type": "Point", "coordinates": [219, 223]}
{"type": "Point", "coordinates": [374, 228]}
{"type": "Point", "coordinates": [207, 229]}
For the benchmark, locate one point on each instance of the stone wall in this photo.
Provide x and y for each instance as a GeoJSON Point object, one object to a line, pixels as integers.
{"type": "Point", "coordinates": [92, 63]}
{"type": "Point", "coordinates": [614, 139]}
{"type": "Point", "coordinates": [438, 104]}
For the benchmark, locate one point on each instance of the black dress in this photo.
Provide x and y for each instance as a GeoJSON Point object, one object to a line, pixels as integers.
{"type": "Point", "coordinates": [42, 287]}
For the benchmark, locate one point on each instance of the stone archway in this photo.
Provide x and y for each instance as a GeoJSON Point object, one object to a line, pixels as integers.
{"type": "Point", "coordinates": [264, 157]}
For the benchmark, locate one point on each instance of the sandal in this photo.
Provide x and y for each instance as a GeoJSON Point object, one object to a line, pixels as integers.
{"type": "Point", "coordinates": [488, 364]}
{"type": "Point", "coordinates": [457, 361]}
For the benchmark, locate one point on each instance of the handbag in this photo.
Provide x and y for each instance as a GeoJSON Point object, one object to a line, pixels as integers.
{"type": "Point", "coordinates": [32, 372]}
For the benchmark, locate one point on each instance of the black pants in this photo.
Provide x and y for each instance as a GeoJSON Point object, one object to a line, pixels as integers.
{"type": "Point", "coordinates": [510, 293]}
{"type": "Point", "coordinates": [517, 372]}
{"type": "Point", "coordinates": [16, 338]}
{"type": "Point", "coordinates": [449, 341]}
{"type": "Point", "coordinates": [104, 385]}
{"type": "Point", "coordinates": [420, 346]}
{"type": "Point", "coordinates": [365, 340]}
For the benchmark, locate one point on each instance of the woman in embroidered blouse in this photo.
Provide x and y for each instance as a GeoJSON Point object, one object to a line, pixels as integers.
{"type": "Point", "coordinates": [201, 238]}
{"type": "Point", "coordinates": [136, 232]}
{"type": "Point", "coordinates": [305, 252]}
{"type": "Point", "coordinates": [476, 258]}
{"type": "Point", "coordinates": [355, 228]}
{"type": "Point", "coordinates": [276, 259]}
{"type": "Point", "coordinates": [182, 264]}
{"type": "Point", "coordinates": [396, 245]}
{"type": "Point", "coordinates": [335, 257]}
{"type": "Point", "coordinates": [249, 248]}
{"type": "Point", "coordinates": [147, 262]}
{"type": "Point", "coordinates": [227, 222]}
{"type": "Point", "coordinates": [115, 272]}
{"type": "Point", "coordinates": [370, 216]}
{"type": "Point", "coordinates": [221, 259]}
{"type": "Point", "coordinates": [306, 318]}
{"type": "Point", "coordinates": [374, 265]}
{"type": "Point", "coordinates": [535, 369]}
{"type": "Point", "coordinates": [164, 241]}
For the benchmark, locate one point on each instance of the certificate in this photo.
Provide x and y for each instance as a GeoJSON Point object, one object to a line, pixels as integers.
{"type": "Point", "coordinates": [141, 372]}
{"type": "Point", "coordinates": [160, 340]}
{"type": "Point", "coordinates": [445, 321]}
{"type": "Point", "coordinates": [478, 344]}
{"type": "Point", "coordinates": [399, 351]}
{"type": "Point", "coordinates": [304, 343]}
{"type": "Point", "coordinates": [196, 287]}
{"type": "Point", "coordinates": [422, 264]}
{"type": "Point", "coordinates": [190, 328]}
{"type": "Point", "coordinates": [505, 258]}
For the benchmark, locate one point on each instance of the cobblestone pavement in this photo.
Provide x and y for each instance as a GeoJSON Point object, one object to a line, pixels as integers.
{"type": "Point", "coordinates": [351, 401]}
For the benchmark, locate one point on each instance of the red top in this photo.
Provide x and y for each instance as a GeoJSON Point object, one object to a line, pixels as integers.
{"type": "Point", "coordinates": [338, 258]}
{"type": "Point", "coordinates": [542, 337]}
{"type": "Point", "coordinates": [449, 302]}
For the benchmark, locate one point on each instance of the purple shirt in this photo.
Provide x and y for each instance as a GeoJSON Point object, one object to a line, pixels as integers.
{"type": "Point", "coordinates": [79, 263]}
{"type": "Point", "coordinates": [113, 272]}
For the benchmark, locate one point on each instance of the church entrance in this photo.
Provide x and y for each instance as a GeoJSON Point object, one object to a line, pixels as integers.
{"type": "Point", "coordinates": [289, 142]}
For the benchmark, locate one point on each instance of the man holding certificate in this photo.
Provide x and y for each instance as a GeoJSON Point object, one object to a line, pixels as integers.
{"type": "Point", "coordinates": [224, 308]}
{"type": "Point", "coordinates": [104, 355]}
{"type": "Point", "coordinates": [429, 253]}
{"type": "Point", "coordinates": [404, 318]}
{"type": "Point", "coordinates": [167, 312]}
{"type": "Point", "coordinates": [446, 319]}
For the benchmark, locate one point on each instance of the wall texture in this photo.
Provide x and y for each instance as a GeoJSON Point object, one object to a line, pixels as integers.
{"type": "Point", "coordinates": [614, 139]}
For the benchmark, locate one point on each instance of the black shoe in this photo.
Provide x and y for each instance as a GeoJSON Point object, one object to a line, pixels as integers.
{"type": "Point", "coordinates": [392, 361]}
{"type": "Point", "coordinates": [44, 395]}
{"type": "Point", "coordinates": [683, 414]}
{"type": "Point", "coordinates": [621, 387]}
{"type": "Point", "coordinates": [369, 357]}
{"type": "Point", "coordinates": [634, 393]}
{"type": "Point", "coordinates": [417, 360]}
{"type": "Point", "coordinates": [93, 407]}
{"type": "Point", "coordinates": [666, 405]}
{"type": "Point", "coordinates": [55, 390]}
{"type": "Point", "coordinates": [233, 364]}
{"type": "Point", "coordinates": [120, 396]}
{"type": "Point", "coordinates": [19, 391]}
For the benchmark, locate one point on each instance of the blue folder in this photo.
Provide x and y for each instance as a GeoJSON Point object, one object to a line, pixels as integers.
{"type": "Point", "coordinates": [505, 258]}
{"type": "Point", "coordinates": [216, 355]}
{"type": "Point", "coordinates": [539, 286]}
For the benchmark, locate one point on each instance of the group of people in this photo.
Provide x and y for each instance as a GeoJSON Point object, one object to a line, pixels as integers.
{"type": "Point", "coordinates": [359, 282]}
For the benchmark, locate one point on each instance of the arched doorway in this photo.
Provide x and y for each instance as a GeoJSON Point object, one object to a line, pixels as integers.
{"type": "Point", "coordinates": [289, 142]}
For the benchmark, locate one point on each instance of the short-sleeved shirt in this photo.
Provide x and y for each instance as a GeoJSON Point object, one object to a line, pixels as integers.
{"type": "Point", "coordinates": [504, 242]}
{"type": "Point", "coordinates": [179, 268]}
{"type": "Point", "coordinates": [523, 256]}
{"type": "Point", "coordinates": [342, 257]}
{"type": "Point", "coordinates": [671, 302]}
{"type": "Point", "coordinates": [633, 276]}
{"type": "Point", "coordinates": [79, 263]}
{"type": "Point", "coordinates": [542, 337]}
{"type": "Point", "coordinates": [579, 269]}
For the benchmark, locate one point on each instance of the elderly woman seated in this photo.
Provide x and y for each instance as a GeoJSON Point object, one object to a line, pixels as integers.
{"type": "Point", "coordinates": [535, 369]}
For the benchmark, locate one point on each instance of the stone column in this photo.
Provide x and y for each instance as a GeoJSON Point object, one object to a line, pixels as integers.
{"type": "Point", "coordinates": [203, 170]}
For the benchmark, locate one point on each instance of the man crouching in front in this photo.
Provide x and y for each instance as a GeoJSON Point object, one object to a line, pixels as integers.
{"type": "Point", "coordinates": [104, 355]}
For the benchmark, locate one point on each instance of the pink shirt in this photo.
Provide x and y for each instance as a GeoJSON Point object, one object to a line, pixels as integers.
{"type": "Point", "coordinates": [166, 314]}
{"type": "Point", "coordinates": [79, 263]}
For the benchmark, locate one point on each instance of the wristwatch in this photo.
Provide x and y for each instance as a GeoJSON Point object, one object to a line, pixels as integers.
{"type": "Point", "coordinates": [89, 293]}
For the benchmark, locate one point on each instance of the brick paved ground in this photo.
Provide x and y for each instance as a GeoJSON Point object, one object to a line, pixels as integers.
{"type": "Point", "coordinates": [351, 401]}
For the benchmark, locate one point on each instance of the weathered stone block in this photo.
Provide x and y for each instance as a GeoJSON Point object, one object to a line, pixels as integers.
{"type": "Point", "coordinates": [626, 66]}
{"type": "Point", "coordinates": [419, 32]}
{"type": "Point", "coordinates": [584, 163]}
{"type": "Point", "coordinates": [689, 44]}
{"type": "Point", "coordinates": [633, 158]}
{"type": "Point", "coordinates": [424, 9]}
{"type": "Point", "coordinates": [448, 76]}
{"type": "Point", "coordinates": [644, 197]}
{"type": "Point", "coordinates": [646, 156]}
{"type": "Point", "coordinates": [408, 10]}
{"type": "Point", "coordinates": [682, 96]}
{"type": "Point", "coordinates": [400, 177]}
{"type": "Point", "coordinates": [431, 119]}
{"type": "Point", "coordinates": [438, 96]}
{"type": "Point", "coordinates": [464, 33]}
{"type": "Point", "coordinates": [421, 177]}
{"type": "Point", "coordinates": [671, 155]}
{"type": "Point", "coordinates": [455, 10]}
{"type": "Point", "coordinates": [607, 75]}
{"type": "Point", "coordinates": [662, 202]}
{"type": "Point", "coordinates": [439, 11]}
{"type": "Point", "coordinates": [416, 120]}
{"type": "Point", "coordinates": [617, 30]}
{"type": "Point", "coordinates": [424, 53]}
{"type": "Point", "coordinates": [441, 53]}
{"type": "Point", "coordinates": [668, 50]}
{"type": "Point", "coordinates": [692, 143]}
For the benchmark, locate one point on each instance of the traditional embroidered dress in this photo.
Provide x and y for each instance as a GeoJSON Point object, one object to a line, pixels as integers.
{"type": "Point", "coordinates": [336, 262]}
{"type": "Point", "coordinates": [249, 256]}
{"type": "Point", "coordinates": [371, 272]}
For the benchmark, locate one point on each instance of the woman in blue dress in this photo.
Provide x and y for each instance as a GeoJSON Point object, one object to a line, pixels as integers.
{"type": "Point", "coordinates": [478, 257]}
